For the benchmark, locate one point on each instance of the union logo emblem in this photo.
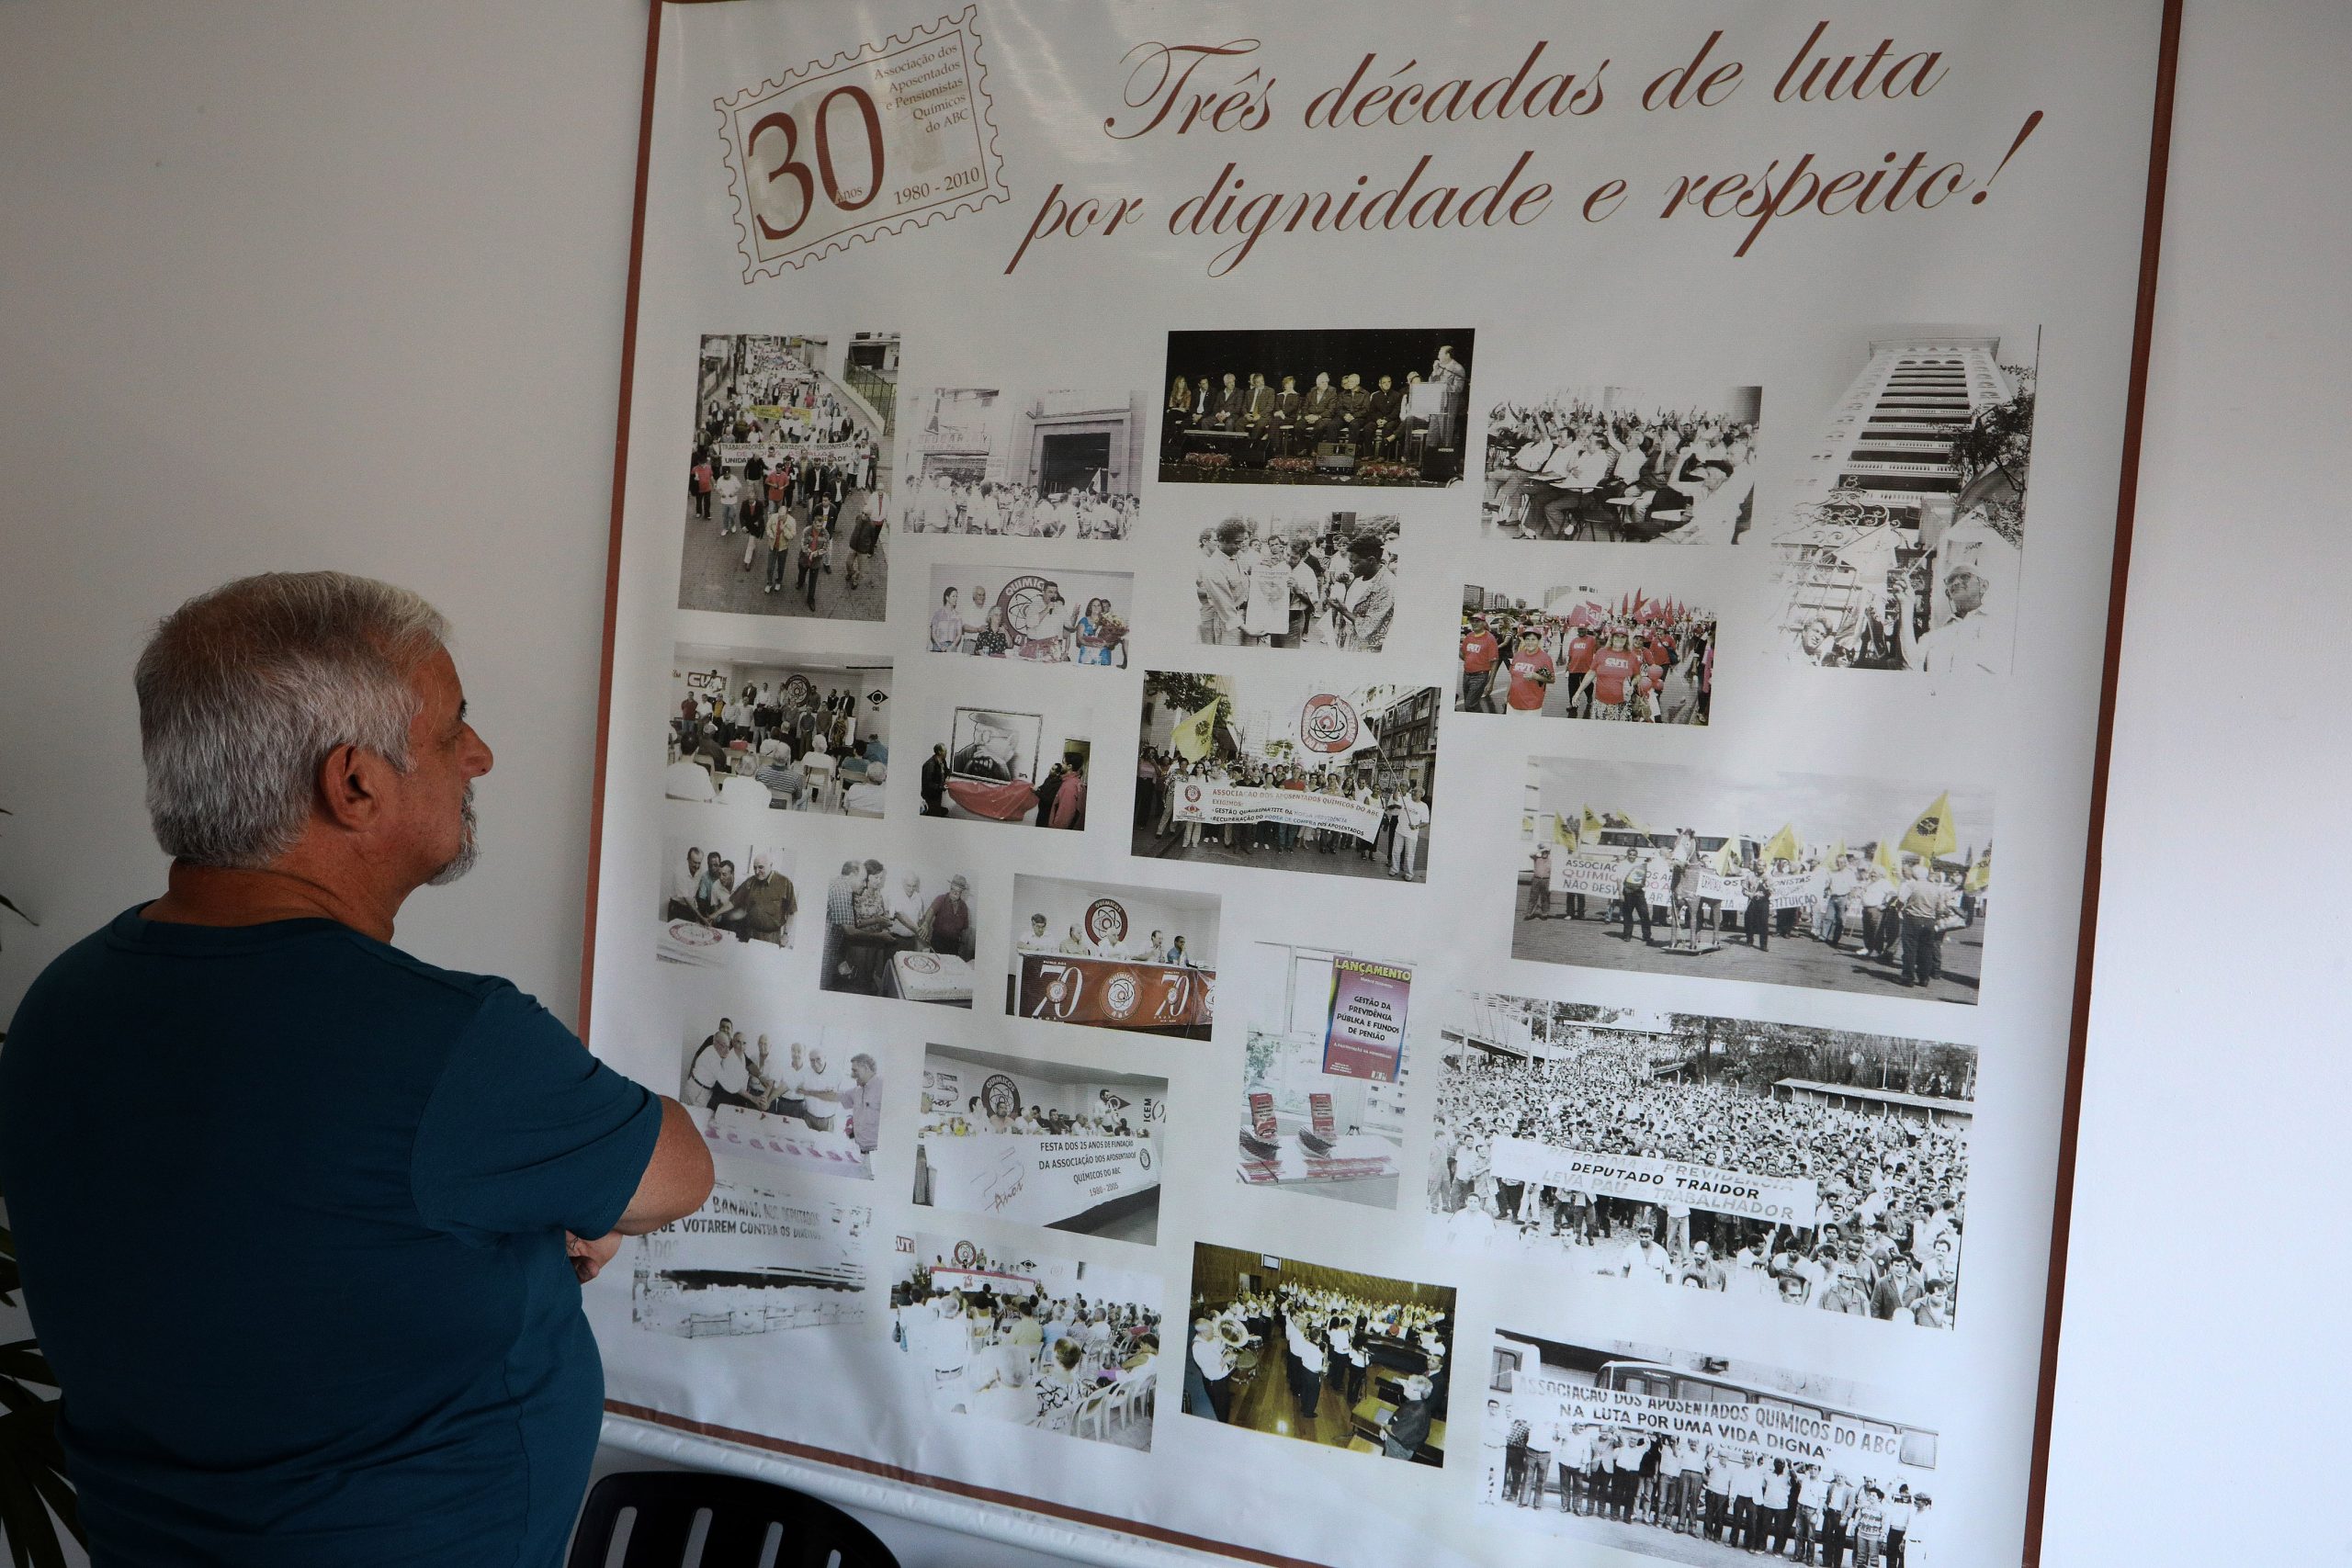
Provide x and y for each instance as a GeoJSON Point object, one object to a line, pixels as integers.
{"type": "Point", "coordinates": [1120, 997]}
{"type": "Point", "coordinates": [1106, 922]}
{"type": "Point", "coordinates": [1328, 724]}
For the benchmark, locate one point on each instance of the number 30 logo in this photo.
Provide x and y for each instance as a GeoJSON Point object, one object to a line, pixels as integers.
{"type": "Point", "coordinates": [788, 166]}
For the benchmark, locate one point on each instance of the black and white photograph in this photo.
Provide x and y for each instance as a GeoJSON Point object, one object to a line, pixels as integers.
{"type": "Point", "coordinates": [1114, 956]}
{"type": "Point", "coordinates": [1320, 1354]}
{"type": "Point", "coordinates": [1043, 1143]}
{"type": "Point", "coordinates": [1782, 879]}
{"type": "Point", "coordinates": [1285, 773]}
{"type": "Point", "coordinates": [1903, 548]}
{"type": "Point", "coordinates": [903, 929]}
{"type": "Point", "coordinates": [759, 730]}
{"type": "Point", "coordinates": [1652, 464]}
{"type": "Point", "coordinates": [764, 1082]}
{"type": "Point", "coordinates": [1357, 406]}
{"type": "Point", "coordinates": [787, 505]}
{"type": "Point", "coordinates": [1048, 465]}
{"type": "Point", "coordinates": [1324, 1061]}
{"type": "Point", "coordinates": [726, 899]}
{"type": "Point", "coordinates": [1703, 1459]}
{"type": "Point", "coordinates": [1578, 651]}
{"type": "Point", "coordinates": [1033, 615]}
{"type": "Point", "coordinates": [759, 1257]}
{"type": "Point", "coordinates": [1304, 579]}
{"type": "Point", "coordinates": [1773, 1164]}
{"type": "Point", "coordinates": [1029, 1334]}
{"type": "Point", "coordinates": [1002, 764]}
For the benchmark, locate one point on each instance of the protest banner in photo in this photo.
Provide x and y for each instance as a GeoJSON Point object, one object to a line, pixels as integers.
{"type": "Point", "coordinates": [755, 1259]}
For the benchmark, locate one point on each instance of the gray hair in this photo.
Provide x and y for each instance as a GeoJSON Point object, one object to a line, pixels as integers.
{"type": "Point", "coordinates": [243, 691]}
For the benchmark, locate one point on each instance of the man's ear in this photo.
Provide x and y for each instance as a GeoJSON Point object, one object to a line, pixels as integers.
{"type": "Point", "coordinates": [352, 786]}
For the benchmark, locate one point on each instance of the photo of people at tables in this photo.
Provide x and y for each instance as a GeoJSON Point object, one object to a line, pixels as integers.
{"type": "Point", "coordinates": [765, 730]}
{"type": "Point", "coordinates": [1038, 616]}
{"type": "Point", "coordinates": [1375, 406]}
{"type": "Point", "coordinates": [767, 1084]}
{"type": "Point", "coordinates": [1632, 464]}
{"type": "Point", "coordinates": [901, 930]}
{"type": "Point", "coordinates": [1633, 656]}
{"type": "Point", "coordinates": [1114, 956]}
{"type": "Point", "coordinates": [1046, 1143]}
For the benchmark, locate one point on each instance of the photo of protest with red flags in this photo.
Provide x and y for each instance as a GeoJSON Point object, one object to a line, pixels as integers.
{"type": "Point", "coordinates": [1577, 652]}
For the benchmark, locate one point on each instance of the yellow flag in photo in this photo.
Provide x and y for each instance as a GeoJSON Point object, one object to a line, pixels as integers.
{"type": "Point", "coordinates": [1885, 861]}
{"type": "Point", "coordinates": [1783, 845]}
{"type": "Point", "coordinates": [1837, 854]}
{"type": "Point", "coordinates": [1931, 834]}
{"type": "Point", "coordinates": [1564, 831]}
{"type": "Point", "coordinates": [1980, 876]}
{"type": "Point", "coordinates": [1588, 826]}
{"type": "Point", "coordinates": [1196, 733]}
{"type": "Point", "coordinates": [1726, 860]}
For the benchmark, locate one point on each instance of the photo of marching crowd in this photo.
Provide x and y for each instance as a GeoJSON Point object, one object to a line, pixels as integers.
{"type": "Point", "coordinates": [1701, 1459]}
{"type": "Point", "coordinates": [1321, 580]}
{"type": "Point", "coordinates": [759, 730]}
{"type": "Point", "coordinates": [1905, 545]}
{"type": "Point", "coordinates": [1037, 616]}
{"type": "Point", "coordinates": [1625, 463]}
{"type": "Point", "coordinates": [779, 1092]}
{"type": "Point", "coordinates": [1052, 1143]}
{"type": "Point", "coordinates": [1114, 958]}
{"type": "Point", "coordinates": [1580, 652]}
{"type": "Point", "coordinates": [755, 1258]}
{"type": "Point", "coordinates": [1685, 854]}
{"type": "Point", "coordinates": [1770, 1162]}
{"type": "Point", "coordinates": [1327, 1356]}
{"type": "Point", "coordinates": [905, 933]}
{"type": "Point", "coordinates": [1284, 774]}
{"type": "Point", "coordinates": [995, 765]}
{"type": "Point", "coordinates": [786, 503]}
{"type": "Point", "coordinates": [1323, 1067]}
{"type": "Point", "coordinates": [1370, 406]}
{"type": "Point", "coordinates": [1047, 465]}
{"type": "Point", "coordinates": [1057, 1343]}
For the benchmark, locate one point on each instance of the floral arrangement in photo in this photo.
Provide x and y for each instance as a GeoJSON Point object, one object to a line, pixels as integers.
{"type": "Point", "coordinates": [1209, 459]}
{"type": "Point", "coordinates": [1382, 469]}
{"type": "Point", "coordinates": [1291, 465]}
{"type": "Point", "coordinates": [1111, 630]}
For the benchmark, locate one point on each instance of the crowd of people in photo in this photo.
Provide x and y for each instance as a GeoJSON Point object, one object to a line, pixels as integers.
{"type": "Point", "coordinates": [806, 487]}
{"type": "Point", "coordinates": [868, 923]}
{"type": "Point", "coordinates": [1572, 470]}
{"type": "Point", "coordinates": [953, 504]}
{"type": "Point", "coordinates": [1883, 1242]}
{"type": "Point", "coordinates": [1267, 420]}
{"type": "Point", "coordinates": [1653, 667]}
{"type": "Point", "coordinates": [799, 1085]}
{"type": "Point", "coordinates": [1330, 1340]}
{"type": "Point", "coordinates": [1338, 585]}
{"type": "Point", "coordinates": [803, 748]}
{"type": "Point", "coordinates": [706, 890]}
{"type": "Point", "coordinates": [1159, 947]}
{"type": "Point", "coordinates": [1052, 631]}
{"type": "Point", "coordinates": [1404, 809]}
{"type": "Point", "coordinates": [1801, 1512]}
{"type": "Point", "coordinates": [1026, 1358]}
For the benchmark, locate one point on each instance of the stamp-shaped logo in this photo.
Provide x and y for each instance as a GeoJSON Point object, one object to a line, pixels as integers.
{"type": "Point", "coordinates": [861, 145]}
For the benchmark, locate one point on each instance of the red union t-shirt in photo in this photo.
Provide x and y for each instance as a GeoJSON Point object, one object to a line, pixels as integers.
{"type": "Point", "coordinates": [1580, 652]}
{"type": "Point", "coordinates": [1527, 672]}
{"type": "Point", "coordinates": [1479, 652]}
{"type": "Point", "coordinates": [1611, 668]}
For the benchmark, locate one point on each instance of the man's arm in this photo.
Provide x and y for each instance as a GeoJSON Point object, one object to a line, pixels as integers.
{"type": "Point", "coordinates": [677, 1180]}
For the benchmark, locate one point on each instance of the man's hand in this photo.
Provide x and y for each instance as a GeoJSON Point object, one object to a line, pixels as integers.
{"type": "Point", "coordinates": [589, 1258]}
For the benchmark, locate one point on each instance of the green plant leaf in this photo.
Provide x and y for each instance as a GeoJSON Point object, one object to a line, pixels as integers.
{"type": "Point", "coordinates": [12, 908]}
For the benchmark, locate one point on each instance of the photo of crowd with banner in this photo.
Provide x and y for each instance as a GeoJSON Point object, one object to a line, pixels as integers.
{"type": "Point", "coordinates": [786, 484]}
{"type": "Point", "coordinates": [1628, 465]}
{"type": "Point", "coordinates": [1323, 1065]}
{"type": "Point", "coordinates": [1114, 957]}
{"type": "Point", "coordinates": [758, 1258]}
{"type": "Point", "coordinates": [778, 1090]}
{"type": "Point", "coordinates": [1700, 1459]}
{"type": "Point", "coordinates": [1867, 897]}
{"type": "Point", "coordinates": [902, 930]}
{"type": "Point", "coordinates": [1326, 579]}
{"type": "Point", "coordinates": [1363, 406]}
{"type": "Point", "coordinates": [1047, 465]}
{"type": "Point", "coordinates": [1577, 651]}
{"type": "Point", "coordinates": [1040, 615]}
{"type": "Point", "coordinates": [1320, 1354]}
{"type": "Point", "coordinates": [1770, 1163]}
{"type": "Point", "coordinates": [1051, 1144]}
{"type": "Point", "coordinates": [1903, 545]}
{"type": "Point", "coordinates": [1287, 774]}
{"type": "Point", "coordinates": [1001, 764]}
{"type": "Point", "coordinates": [763, 731]}
{"type": "Point", "coordinates": [1027, 1337]}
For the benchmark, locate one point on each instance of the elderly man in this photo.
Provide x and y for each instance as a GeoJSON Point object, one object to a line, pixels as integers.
{"type": "Point", "coordinates": [371, 1187]}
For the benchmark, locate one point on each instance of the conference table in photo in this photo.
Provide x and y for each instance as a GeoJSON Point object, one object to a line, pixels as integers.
{"type": "Point", "coordinates": [1115, 993]}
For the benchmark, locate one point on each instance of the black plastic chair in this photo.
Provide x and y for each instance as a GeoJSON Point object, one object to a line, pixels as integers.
{"type": "Point", "coordinates": [668, 1501]}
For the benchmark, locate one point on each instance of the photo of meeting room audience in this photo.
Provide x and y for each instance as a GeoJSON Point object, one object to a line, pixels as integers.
{"type": "Point", "coordinates": [764, 1082]}
{"type": "Point", "coordinates": [1043, 1143]}
{"type": "Point", "coordinates": [1038, 616]}
{"type": "Point", "coordinates": [1028, 464]}
{"type": "Point", "coordinates": [725, 901]}
{"type": "Point", "coordinates": [786, 511]}
{"type": "Point", "coordinates": [1321, 1355]}
{"type": "Point", "coordinates": [1112, 956]}
{"type": "Point", "coordinates": [761, 731]}
{"type": "Point", "coordinates": [1021, 768]}
{"type": "Point", "coordinates": [1324, 579]}
{"type": "Point", "coordinates": [1577, 651]}
{"type": "Point", "coordinates": [1359, 406]}
{"type": "Point", "coordinates": [1699, 1457]}
{"type": "Point", "coordinates": [1029, 1335]}
{"type": "Point", "coordinates": [1773, 1165]}
{"type": "Point", "coordinates": [902, 930]}
{"type": "Point", "coordinates": [762, 1255]}
{"type": "Point", "coordinates": [1633, 464]}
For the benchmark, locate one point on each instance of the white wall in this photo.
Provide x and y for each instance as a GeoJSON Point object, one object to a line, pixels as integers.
{"type": "Point", "coordinates": [282, 285]}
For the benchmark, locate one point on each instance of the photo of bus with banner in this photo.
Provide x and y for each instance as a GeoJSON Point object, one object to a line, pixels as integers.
{"type": "Point", "coordinates": [1114, 958]}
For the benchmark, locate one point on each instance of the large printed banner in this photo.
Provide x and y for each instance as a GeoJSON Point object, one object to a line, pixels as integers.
{"type": "Point", "coordinates": [1274, 369]}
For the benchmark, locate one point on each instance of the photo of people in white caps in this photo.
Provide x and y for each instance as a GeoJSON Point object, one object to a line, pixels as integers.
{"type": "Point", "coordinates": [1031, 464]}
{"type": "Point", "coordinates": [1700, 1459]}
{"type": "Point", "coordinates": [1043, 1143]}
{"type": "Point", "coordinates": [903, 929]}
{"type": "Point", "coordinates": [1114, 956]}
{"type": "Point", "coordinates": [754, 730]}
{"type": "Point", "coordinates": [1774, 1165]}
{"type": "Point", "coordinates": [1866, 886]}
{"type": "Point", "coordinates": [1036, 615]}
{"type": "Point", "coordinates": [1903, 546]}
{"type": "Point", "coordinates": [1652, 464]}
{"type": "Point", "coordinates": [1286, 773]}
{"type": "Point", "coordinates": [1315, 580]}
{"type": "Point", "coordinates": [787, 506]}
{"type": "Point", "coordinates": [762, 1255]}
{"type": "Point", "coordinates": [1634, 656]}
{"type": "Point", "coordinates": [1367, 406]}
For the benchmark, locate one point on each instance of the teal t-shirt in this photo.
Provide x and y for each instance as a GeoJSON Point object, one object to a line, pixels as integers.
{"type": "Point", "coordinates": [289, 1208]}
